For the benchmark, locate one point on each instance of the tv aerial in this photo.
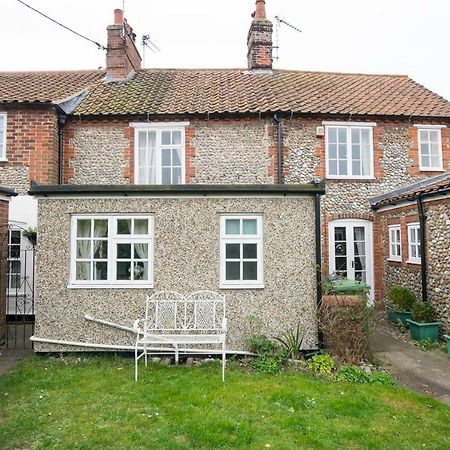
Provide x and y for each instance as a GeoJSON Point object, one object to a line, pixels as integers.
{"type": "Point", "coordinates": [279, 23]}
{"type": "Point", "coordinates": [147, 43]}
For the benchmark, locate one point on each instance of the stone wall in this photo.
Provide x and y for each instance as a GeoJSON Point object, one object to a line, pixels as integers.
{"type": "Point", "coordinates": [437, 254]}
{"type": "Point", "coordinates": [186, 241]}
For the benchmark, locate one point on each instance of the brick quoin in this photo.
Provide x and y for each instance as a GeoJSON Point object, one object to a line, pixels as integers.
{"type": "Point", "coordinates": [4, 215]}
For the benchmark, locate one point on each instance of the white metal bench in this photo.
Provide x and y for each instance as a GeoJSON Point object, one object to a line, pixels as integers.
{"type": "Point", "coordinates": [179, 321]}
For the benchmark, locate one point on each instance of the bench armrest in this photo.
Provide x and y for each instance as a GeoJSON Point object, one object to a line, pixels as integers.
{"type": "Point", "coordinates": [224, 324]}
{"type": "Point", "coordinates": [136, 328]}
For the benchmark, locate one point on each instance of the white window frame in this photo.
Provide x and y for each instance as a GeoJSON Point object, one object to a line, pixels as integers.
{"type": "Point", "coordinates": [13, 290]}
{"type": "Point", "coordinates": [113, 239]}
{"type": "Point", "coordinates": [159, 128]}
{"type": "Point", "coordinates": [394, 232]}
{"type": "Point", "coordinates": [349, 127]}
{"type": "Point", "coordinates": [414, 228]}
{"type": "Point", "coordinates": [3, 140]}
{"type": "Point", "coordinates": [242, 239]}
{"type": "Point", "coordinates": [427, 129]}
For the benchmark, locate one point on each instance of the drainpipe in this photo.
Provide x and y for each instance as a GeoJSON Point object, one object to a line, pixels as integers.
{"type": "Point", "coordinates": [423, 259]}
{"type": "Point", "coordinates": [61, 122]}
{"type": "Point", "coordinates": [277, 120]}
{"type": "Point", "coordinates": [318, 261]}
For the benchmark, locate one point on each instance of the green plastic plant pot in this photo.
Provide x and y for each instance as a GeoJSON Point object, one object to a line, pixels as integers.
{"type": "Point", "coordinates": [448, 345]}
{"type": "Point", "coordinates": [394, 316]}
{"type": "Point", "coordinates": [422, 331]}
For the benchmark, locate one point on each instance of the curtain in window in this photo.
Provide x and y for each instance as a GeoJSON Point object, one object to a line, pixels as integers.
{"type": "Point", "coordinates": [147, 159]}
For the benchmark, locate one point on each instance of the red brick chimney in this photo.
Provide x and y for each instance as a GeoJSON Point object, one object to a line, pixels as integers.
{"type": "Point", "coordinates": [259, 40]}
{"type": "Point", "coordinates": [122, 55]}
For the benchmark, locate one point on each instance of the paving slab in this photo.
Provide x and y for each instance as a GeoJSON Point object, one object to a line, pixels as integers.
{"type": "Point", "coordinates": [9, 358]}
{"type": "Point", "coordinates": [424, 372]}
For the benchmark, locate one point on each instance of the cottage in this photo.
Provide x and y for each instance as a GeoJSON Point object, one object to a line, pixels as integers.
{"type": "Point", "coordinates": [183, 154]}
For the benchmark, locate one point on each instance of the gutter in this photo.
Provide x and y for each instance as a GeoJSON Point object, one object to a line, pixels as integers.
{"type": "Point", "coordinates": [278, 122]}
{"type": "Point", "coordinates": [423, 246]}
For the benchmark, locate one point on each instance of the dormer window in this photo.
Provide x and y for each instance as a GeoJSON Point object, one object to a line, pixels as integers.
{"type": "Point", "coordinates": [159, 153]}
{"type": "Point", "coordinates": [430, 147]}
{"type": "Point", "coordinates": [349, 150]}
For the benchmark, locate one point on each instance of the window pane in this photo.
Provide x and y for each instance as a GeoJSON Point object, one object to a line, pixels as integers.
{"type": "Point", "coordinates": [435, 161]}
{"type": "Point", "coordinates": [343, 167]}
{"type": "Point", "coordinates": [123, 226]}
{"type": "Point", "coordinates": [342, 135]}
{"type": "Point", "coordinates": [14, 281]}
{"type": "Point", "coordinates": [332, 151]}
{"type": "Point", "coordinates": [176, 157]}
{"type": "Point", "coordinates": [165, 138]}
{"type": "Point", "coordinates": [360, 263]}
{"type": "Point", "coordinates": [15, 237]}
{"type": "Point", "coordinates": [426, 161]}
{"type": "Point", "coordinates": [340, 248]}
{"type": "Point", "coordinates": [232, 226]}
{"type": "Point", "coordinates": [434, 136]}
{"type": "Point", "coordinates": [100, 249]}
{"type": "Point", "coordinates": [332, 135]}
{"type": "Point", "coordinates": [84, 227]}
{"type": "Point", "coordinates": [356, 136]}
{"type": "Point", "coordinates": [233, 251]}
{"type": "Point", "coordinates": [359, 234]}
{"type": "Point", "coordinates": [14, 266]}
{"type": "Point", "coordinates": [250, 251]}
{"type": "Point", "coordinates": [165, 157]}
{"type": "Point", "coordinates": [332, 168]}
{"type": "Point", "coordinates": [341, 263]}
{"type": "Point", "coordinates": [424, 149]}
{"type": "Point", "coordinates": [101, 228]}
{"type": "Point", "coordinates": [249, 226]}
{"type": "Point", "coordinates": [140, 251]}
{"type": "Point", "coordinates": [250, 270]}
{"type": "Point", "coordinates": [84, 249]}
{"type": "Point", "coordinates": [356, 168]}
{"type": "Point", "coordinates": [166, 176]}
{"type": "Point", "coordinates": [365, 136]}
{"type": "Point", "coordinates": [176, 137]}
{"type": "Point", "coordinates": [100, 270]}
{"type": "Point", "coordinates": [233, 271]}
{"type": "Point", "coordinates": [340, 234]}
{"type": "Point", "coordinates": [141, 226]}
{"type": "Point", "coordinates": [123, 270]}
{"type": "Point", "coordinates": [140, 271]}
{"type": "Point", "coordinates": [177, 176]}
{"type": "Point", "coordinates": [342, 151]}
{"type": "Point", "coordinates": [83, 271]}
{"type": "Point", "coordinates": [14, 251]}
{"type": "Point", "coordinates": [142, 139]}
{"type": "Point", "coordinates": [124, 250]}
{"type": "Point", "coordinates": [356, 151]}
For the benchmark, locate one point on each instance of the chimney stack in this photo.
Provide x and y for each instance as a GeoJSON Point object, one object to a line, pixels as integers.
{"type": "Point", "coordinates": [259, 40]}
{"type": "Point", "coordinates": [122, 55]}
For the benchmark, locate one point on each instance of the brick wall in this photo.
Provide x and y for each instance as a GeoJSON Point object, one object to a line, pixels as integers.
{"type": "Point", "coordinates": [31, 148]}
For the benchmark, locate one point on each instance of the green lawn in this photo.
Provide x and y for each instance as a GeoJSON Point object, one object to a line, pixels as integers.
{"type": "Point", "coordinates": [93, 402]}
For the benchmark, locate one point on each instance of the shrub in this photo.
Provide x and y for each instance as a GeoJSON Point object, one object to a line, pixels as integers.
{"type": "Point", "coordinates": [271, 357]}
{"type": "Point", "coordinates": [402, 298]}
{"type": "Point", "coordinates": [353, 374]}
{"type": "Point", "coordinates": [426, 344]}
{"type": "Point", "coordinates": [292, 342]}
{"type": "Point", "coordinates": [424, 312]}
{"type": "Point", "coordinates": [322, 363]}
{"type": "Point", "coordinates": [345, 328]}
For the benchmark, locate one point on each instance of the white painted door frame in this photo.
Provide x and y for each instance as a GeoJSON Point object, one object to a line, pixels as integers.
{"type": "Point", "coordinates": [349, 225]}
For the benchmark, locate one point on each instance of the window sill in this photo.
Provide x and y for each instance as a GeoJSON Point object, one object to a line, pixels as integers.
{"type": "Point", "coordinates": [394, 260]}
{"type": "Point", "coordinates": [329, 177]}
{"type": "Point", "coordinates": [3, 160]}
{"type": "Point", "coordinates": [416, 263]}
{"type": "Point", "coordinates": [431, 169]}
{"type": "Point", "coordinates": [110, 286]}
{"type": "Point", "coordinates": [241, 286]}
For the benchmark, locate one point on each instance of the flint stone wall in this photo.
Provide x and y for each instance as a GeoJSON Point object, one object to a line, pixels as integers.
{"type": "Point", "coordinates": [186, 248]}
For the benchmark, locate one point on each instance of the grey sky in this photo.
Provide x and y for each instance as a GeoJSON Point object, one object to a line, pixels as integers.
{"type": "Point", "coordinates": [387, 36]}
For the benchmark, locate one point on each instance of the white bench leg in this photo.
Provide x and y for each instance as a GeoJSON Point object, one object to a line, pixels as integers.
{"type": "Point", "coordinates": [136, 363]}
{"type": "Point", "coordinates": [145, 354]}
{"type": "Point", "coordinates": [176, 354]}
{"type": "Point", "coordinates": [224, 360]}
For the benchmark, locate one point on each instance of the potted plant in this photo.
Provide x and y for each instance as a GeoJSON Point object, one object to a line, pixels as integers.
{"type": "Point", "coordinates": [31, 234]}
{"type": "Point", "coordinates": [401, 301]}
{"type": "Point", "coordinates": [423, 324]}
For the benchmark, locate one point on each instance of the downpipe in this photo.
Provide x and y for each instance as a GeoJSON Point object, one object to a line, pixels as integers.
{"type": "Point", "coordinates": [423, 246]}
{"type": "Point", "coordinates": [278, 123]}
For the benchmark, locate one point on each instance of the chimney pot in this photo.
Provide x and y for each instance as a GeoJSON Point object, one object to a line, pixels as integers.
{"type": "Point", "coordinates": [260, 9]}
{"type": "Point", "coordinates": [118, 17]}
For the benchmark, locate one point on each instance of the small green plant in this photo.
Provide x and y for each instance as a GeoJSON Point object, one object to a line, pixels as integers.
{"type": "Point", "coordinates": [271, 357]}
{"type": "Point", "coordinates": [354, 374]}
{"type": "Point", "coordinates": [423, 312]}
{"type": "Point", "coordinates": [322, 363]}
{"type": "Point", "coordinates": [426, 344]}
{"type": "Point", "coordinates": [292, 341]}
{"type": "Point", "coordinates": [401, 326]}
{"type": "Point", "coordinates": [402, 298]}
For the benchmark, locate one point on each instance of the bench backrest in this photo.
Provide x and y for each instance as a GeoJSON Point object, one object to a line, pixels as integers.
{"type": "Point", "coordinates": [172, 311]}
